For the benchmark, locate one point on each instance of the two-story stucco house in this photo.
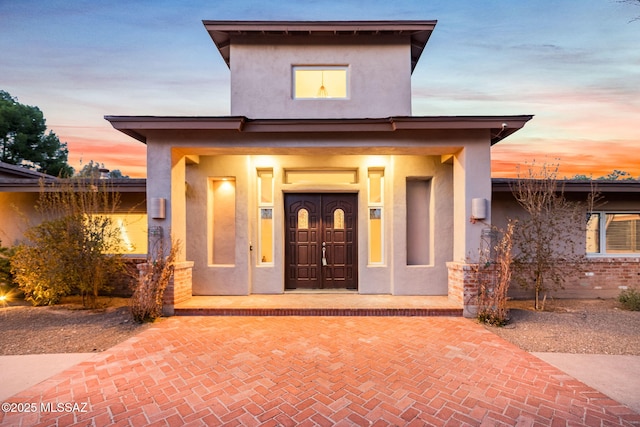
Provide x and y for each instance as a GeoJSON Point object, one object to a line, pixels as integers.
{"type": "Point", "coordinates": [321, 177]}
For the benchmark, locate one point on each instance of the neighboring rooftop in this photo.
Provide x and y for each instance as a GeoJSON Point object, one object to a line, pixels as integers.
{"type": "Point", "coordinates": [14, 171]}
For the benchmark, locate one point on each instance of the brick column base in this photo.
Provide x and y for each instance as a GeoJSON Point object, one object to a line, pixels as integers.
{"type": "Point", "coordinates": [463, 287]}
{"type": "Point", "coordinates": [179, 288]}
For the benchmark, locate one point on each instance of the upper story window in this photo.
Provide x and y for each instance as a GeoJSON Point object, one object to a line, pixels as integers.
{"type": "Point", "coordinates": [320, 82]}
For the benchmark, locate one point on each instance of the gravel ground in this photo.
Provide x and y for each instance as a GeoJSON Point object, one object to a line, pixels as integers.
{"type": "Point", "coordinates": [573, 326]}
{"type": "Point", "coordinates": [65, 328]}
{"type": "Point", "coordinates": [568, 326]}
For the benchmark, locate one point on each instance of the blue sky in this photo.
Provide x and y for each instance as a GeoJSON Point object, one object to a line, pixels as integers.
{"type": "Point", "coordinates": [575, 65]}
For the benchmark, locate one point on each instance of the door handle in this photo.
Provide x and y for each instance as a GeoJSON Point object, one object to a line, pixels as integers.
{"type": "Point", "coordinates": [324, 254]}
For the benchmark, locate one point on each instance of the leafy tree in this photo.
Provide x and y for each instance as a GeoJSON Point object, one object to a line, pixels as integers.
{"type": "Point", "coordinates": [94, 170]}
{"type": "Point", "coordinates": [549, 241]}
{"type": "Point", "coordinates": [581, 177]}
{"type": "Point", "coordinates": [618, 175]}
{"type": "Point", "coordinates": [76, 249]}
{"type": "Point", "coordinates": [24, 141]}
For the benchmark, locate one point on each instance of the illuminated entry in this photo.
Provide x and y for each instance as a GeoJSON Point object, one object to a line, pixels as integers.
{"type": "Point", "coordinates": [310, 82]}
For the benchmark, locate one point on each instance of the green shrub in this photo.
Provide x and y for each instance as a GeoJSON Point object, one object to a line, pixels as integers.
{"type": "Point", "coordinates": [77, 248]}
{"type": "Point", "coordinates": [630, 299]}
{"type": "Point", "coordinates": [37, 266]}
{"type": "Point", "coordinates": [6, 278]}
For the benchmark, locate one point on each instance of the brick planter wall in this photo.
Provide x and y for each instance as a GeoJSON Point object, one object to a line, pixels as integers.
{"type": "Point", "coordinates": [179, 288]}
{"type": "Point", "coordinates": [463, 287]}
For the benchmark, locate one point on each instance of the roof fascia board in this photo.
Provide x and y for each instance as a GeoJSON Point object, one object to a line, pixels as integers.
{"type": "Point", "coordinates": [500, 185]}
{"type": "Point", "coordinates": [138, 126]}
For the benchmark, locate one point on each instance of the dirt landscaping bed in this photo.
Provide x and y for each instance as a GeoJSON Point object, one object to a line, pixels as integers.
{"type": "Point", "coordinates": [576, 326]}
{"type": "Point", "coordinates": [65, 328]}
{"type": "Point", "coordinates": [567, 326]}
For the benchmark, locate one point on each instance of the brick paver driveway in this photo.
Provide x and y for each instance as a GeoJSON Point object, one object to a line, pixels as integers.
{"type": "Point", "coordinates": [304, 371]}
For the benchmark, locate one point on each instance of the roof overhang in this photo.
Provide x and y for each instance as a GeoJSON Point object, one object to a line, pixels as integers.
{"type": "Point", "coordinates": [120, 185]}
{"type": "Point", "coordinates": [419, 32]}
{"type": "Point", "coordinates": [502, 185]}
{"type": "Point", "coordinates": [138, 127]}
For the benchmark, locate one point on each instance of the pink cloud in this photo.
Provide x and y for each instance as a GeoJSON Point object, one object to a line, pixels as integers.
{"type": "Point", "coordinates": [591, 158]}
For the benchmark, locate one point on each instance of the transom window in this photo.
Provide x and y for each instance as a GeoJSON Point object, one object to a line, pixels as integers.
{"type": "Point", "coordinates": [320, 82]}
{"type": "Point", "coordinates": [613, 233]}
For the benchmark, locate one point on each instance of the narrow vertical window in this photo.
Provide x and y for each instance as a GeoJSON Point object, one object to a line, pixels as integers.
{"type": "Point", "coordinates": [418, 192]}
{"type": "Point", "coordinates": [375, 235]}
{"type": "Point", "coordinates": [376, 178]}
{"type": "Point", "coordinates": [266, 235]}
{"type": "Point", "coordinates": [265, 210]}
{"type": "Point", "coordinates": [376, 216]}
{"type": "Point", "coordinates": [265, 186]}
{"type": "Point", "coordinates": [593, 234]}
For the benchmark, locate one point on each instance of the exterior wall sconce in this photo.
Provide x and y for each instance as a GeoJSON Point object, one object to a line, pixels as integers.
{"type": "Point", "coordinates": [158, 208]}
{"type": "Point", "coordinates": [478, 209]}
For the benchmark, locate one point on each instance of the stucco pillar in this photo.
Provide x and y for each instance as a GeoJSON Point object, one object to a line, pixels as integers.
{"type": "Point", "coordinates": [471, 180]}
{"type": "Point", "coordinates": [166, 181]}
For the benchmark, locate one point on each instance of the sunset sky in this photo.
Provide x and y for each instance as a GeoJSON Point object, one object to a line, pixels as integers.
{"type": "Point", "coordinates": [573, 64]}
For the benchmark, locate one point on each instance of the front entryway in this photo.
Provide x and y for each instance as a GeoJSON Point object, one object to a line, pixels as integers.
{"type": "Point", "coordinates": [321, 241]}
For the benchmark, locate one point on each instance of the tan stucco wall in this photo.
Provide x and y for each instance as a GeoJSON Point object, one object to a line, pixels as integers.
{"type": "Point", "coordinates": [429, 279]}
{"type": "Point", "coordinates": [458, 161]}
{"type": "Point", "coordinates": [379, 70]}
{"type": "Point", "coordinates": [472, 179]}
{"type": "Point", "coordinates": [209, 278]}
{"type": "Point", "coordinates": [17, 212]}
{"type": "Point", "coordinates": [247, 275]}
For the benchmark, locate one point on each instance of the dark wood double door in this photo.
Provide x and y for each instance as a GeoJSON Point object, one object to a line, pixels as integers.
{"type": "Point", "coordinates": [321, 241]}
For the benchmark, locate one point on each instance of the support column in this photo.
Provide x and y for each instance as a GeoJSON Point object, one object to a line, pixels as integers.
{"type": "Point", "coordinates": [166, 181]}
{"type": "Point", "coordinates": [471, 180]}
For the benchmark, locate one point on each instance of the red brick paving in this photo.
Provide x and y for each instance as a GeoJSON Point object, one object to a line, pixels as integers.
{"type": "Point", "coordinates": [319, 371]}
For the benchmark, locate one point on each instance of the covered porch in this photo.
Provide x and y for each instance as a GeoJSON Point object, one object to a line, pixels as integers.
{"type": "Point", "coordinates": [414, 181]}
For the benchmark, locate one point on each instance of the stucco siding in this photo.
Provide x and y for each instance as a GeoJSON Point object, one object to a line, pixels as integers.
{"type": "Point", "coordinates": [379, 76]}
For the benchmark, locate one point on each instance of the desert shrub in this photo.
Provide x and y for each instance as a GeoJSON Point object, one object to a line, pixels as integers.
{"type": "Point", "coordinates": [152, 280]}
{"type": "Point", "coordinates": [6, 277]}
{"type": "Point", "coordinates": [36, 267]}
{"type": "Point", "coordinates": [75, 249]}
{"type": "Point", "coordinates": [630, 299]}
{"type": "Point", "coordinates": [494, 278]}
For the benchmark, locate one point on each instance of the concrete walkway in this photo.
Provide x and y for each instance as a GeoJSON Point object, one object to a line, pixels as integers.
{"type": "Point", "coordinates": [616, 376]}
{"type": "Point", "coordinates": [316, 371]}
{"type": "Point", "coordinates": [18, 373]}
